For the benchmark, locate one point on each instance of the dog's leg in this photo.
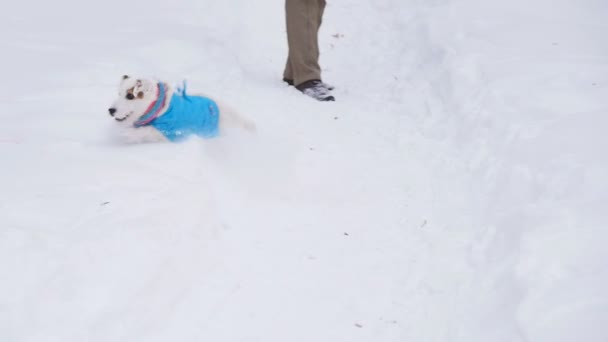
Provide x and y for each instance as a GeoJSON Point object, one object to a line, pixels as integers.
{"type": "Point", "coordinates": [145, 134]}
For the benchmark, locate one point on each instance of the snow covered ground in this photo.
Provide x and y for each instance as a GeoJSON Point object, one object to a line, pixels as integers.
{"type": "Point", "coordinates": [456, 191]}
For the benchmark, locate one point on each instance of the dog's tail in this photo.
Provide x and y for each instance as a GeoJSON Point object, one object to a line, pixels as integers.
{"type": "Point", "coordinates": [248, 125]}
{"type": "Point", "coordinates": [230, 118]}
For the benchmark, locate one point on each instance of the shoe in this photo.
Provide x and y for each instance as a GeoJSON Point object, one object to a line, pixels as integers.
{"type": "Point", "coordinates": [316, 89]}
{"type": "Point", "coordinates": [290, 82]}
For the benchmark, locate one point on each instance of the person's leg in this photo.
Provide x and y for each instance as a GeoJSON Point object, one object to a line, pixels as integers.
{"type": "Point", "coordinates": [303, 18]}
{"type": "Point", "coordinates": [321, 11]}
{"type": "Point", "coordinates": [288, 73]}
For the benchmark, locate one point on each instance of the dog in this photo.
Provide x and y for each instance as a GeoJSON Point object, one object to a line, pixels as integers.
{"type": "Point", "coordinates": [152, 111]}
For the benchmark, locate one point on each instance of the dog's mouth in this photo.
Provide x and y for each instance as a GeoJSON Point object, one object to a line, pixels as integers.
{"type": "Point", "coordinates": [123, 118]}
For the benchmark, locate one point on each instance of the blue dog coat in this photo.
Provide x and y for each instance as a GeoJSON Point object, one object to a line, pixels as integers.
{"type": "Point", "coordinates": [185, 116]}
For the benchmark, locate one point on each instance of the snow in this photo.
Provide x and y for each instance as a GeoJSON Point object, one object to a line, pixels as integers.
{"type": "Point", "coordinates": [454, 192]}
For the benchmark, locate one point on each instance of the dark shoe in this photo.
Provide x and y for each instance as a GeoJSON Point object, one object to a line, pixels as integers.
{"type": "Point", "coordinates": [316, 89]}
{"type": "Point", "coordinates": [290, 82]}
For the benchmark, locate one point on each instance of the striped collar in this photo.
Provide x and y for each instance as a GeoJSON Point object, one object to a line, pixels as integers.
{"type": "Point", "coordinates": [155, 107]}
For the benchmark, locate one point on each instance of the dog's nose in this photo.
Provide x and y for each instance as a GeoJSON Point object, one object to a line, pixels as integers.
{"type": "Point", "coordinates": [112, 111]}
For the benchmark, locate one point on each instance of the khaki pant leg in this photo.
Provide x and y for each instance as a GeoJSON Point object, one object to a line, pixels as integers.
{"type": "Point", "coordinates": [303, 19]}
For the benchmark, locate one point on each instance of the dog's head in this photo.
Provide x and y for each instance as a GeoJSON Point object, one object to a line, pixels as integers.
{"type": "Point", "coordinates": [134, 97]}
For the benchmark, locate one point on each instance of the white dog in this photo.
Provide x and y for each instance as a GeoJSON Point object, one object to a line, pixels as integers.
{"type": "Point", "coordinates": [151, 111]}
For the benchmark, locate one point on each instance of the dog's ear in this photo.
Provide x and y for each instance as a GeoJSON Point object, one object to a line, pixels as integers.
{"type": "Point", "coordinates": [124, 77]}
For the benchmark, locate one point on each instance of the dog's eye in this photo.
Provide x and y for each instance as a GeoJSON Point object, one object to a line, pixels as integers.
{"type": "Point", "coordinates": [130, 96]}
